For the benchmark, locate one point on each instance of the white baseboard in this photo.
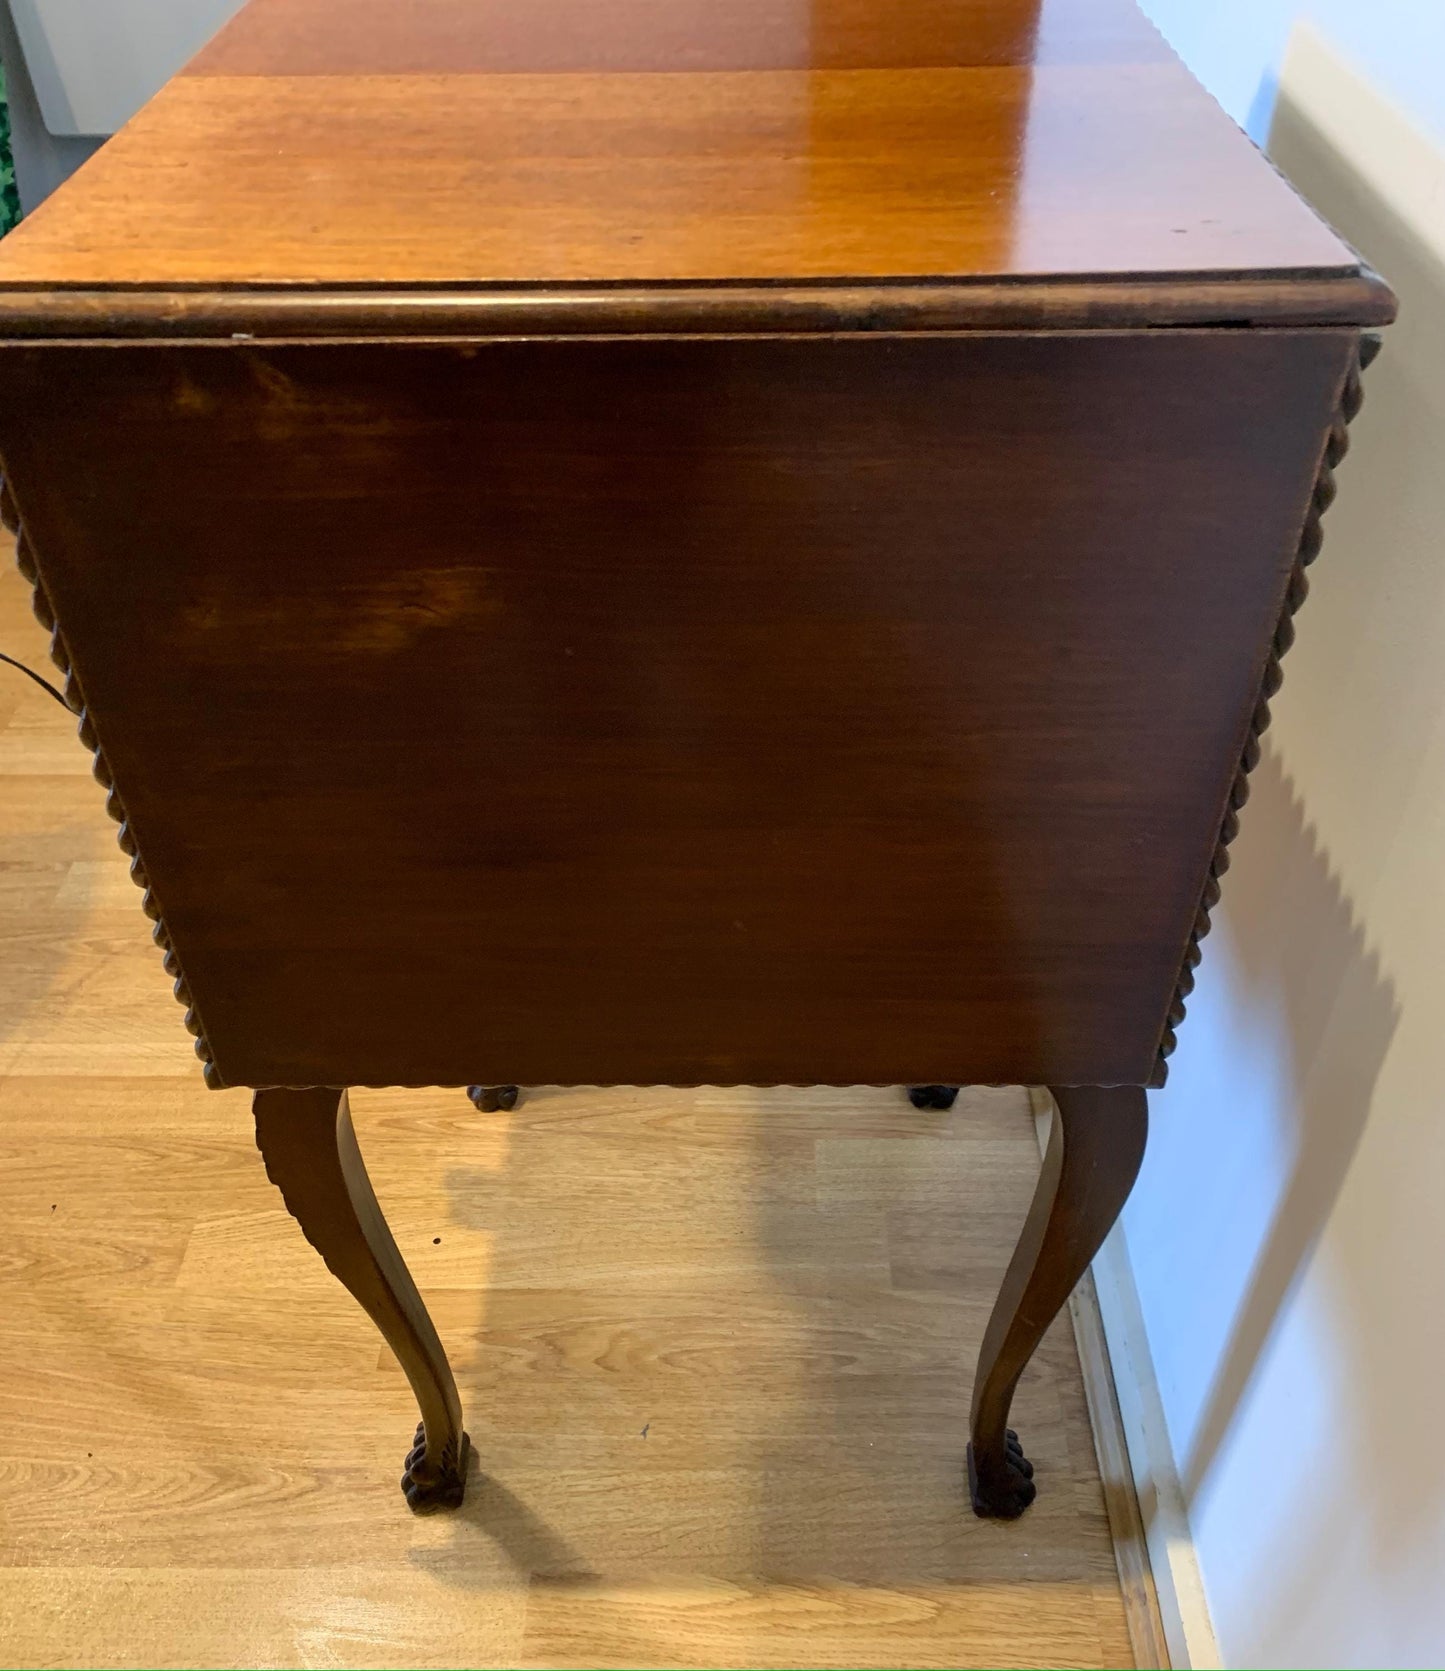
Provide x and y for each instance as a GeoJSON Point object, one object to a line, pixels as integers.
{"type": "Point", "coordinates": [1183, 1610]}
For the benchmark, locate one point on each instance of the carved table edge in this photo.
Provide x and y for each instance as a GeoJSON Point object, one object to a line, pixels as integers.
{"type": "Point", "coordinates": [687, 1084]}
{"type": "Point", "coordinates": [125, 835]}
{"type": "Point", "coordinates": [1337, 444]}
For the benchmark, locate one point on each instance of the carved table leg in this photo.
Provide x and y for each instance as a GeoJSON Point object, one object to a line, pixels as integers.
{"type": "Point", "coordinates": [491, 1098]}
{"type": "Point", "coordinates": [1094, 1152]}
{"type": "Point", "coordinates": [309, 1146]}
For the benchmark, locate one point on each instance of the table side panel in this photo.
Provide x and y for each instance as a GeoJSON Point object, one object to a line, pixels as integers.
{"type": "Point", "coordinates": [674, 711]}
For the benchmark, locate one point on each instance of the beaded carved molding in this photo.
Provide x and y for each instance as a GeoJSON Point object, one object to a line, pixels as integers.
{"type": "Point", "coordinates": [1311, 539]}
{"type": "Point", "coordinates": [75, 699]}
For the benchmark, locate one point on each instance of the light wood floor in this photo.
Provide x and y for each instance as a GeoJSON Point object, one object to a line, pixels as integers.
{"type": "Point", "coordinates": [715, 1347]}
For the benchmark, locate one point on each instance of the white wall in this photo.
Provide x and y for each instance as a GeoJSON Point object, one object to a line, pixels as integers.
{"type": "Point", "coordinates": [76, 70]}
{"type": "Point", "coordinates": [41, 159]}
{"type": "Point", "coordinates": [94, 63]}
{"type": "Point", "coordinates": [1236, 48]}
{"type": "Point", "coordinates": [1288, 1234]}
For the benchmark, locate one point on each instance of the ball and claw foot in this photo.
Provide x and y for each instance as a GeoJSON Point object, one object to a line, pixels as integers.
{"type": "Point", "coordinates": [933, 1096]}
{"type": "Point", "coordinates": [429, 1487]}
{"type": "Point", "coordinates": [492, 1098]}
{"type": "Point", "coordinates": [1003, 1495]}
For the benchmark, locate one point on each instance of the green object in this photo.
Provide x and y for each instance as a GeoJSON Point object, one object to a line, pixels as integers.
{"type": "Point", "coordinates": [9, 196]}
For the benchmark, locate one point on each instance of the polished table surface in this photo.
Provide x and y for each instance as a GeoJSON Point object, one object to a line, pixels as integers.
{"type": "Point", "coordinates": [467, 141]}
{"type": "Point", "coordinates": [676, 543]}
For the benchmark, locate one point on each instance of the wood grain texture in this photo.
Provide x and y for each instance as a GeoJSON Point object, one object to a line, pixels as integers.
{"type": "Point", "coordinates": [1019, 140]}
{"type": "Point", "coordinates": [471, 37]}
{"type": "Point", "coordinates": [522, 713]}
{"type": "Point", "coordinates": [786, 1289]}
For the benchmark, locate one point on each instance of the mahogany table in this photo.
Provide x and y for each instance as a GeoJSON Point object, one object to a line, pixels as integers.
{"type": "Point", "coordinates": [673, 542]}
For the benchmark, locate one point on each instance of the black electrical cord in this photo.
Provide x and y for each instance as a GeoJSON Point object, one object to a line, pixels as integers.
{"type": "Point", "coordinates": [30, 673]}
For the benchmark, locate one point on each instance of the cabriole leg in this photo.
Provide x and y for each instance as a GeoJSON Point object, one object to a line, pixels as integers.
{"type": "Point", "coordinates": [1095, 1148]}
{"type": "Point", "coordinates": [309, 1147]}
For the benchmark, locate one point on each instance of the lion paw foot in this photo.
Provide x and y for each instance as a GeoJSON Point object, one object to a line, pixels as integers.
{"type": "Point", "coordinates": [933, 1096]}
{"type": "Point", "coordinates": [1002, 1490]}
{"type": "Point", "coordinates": [492, 1099]}
{"type": "Point", "coordinates": [431, 1485]}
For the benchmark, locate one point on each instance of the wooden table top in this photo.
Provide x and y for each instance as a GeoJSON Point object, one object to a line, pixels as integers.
{"type": "Point", "coordinates": [548, 143]}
